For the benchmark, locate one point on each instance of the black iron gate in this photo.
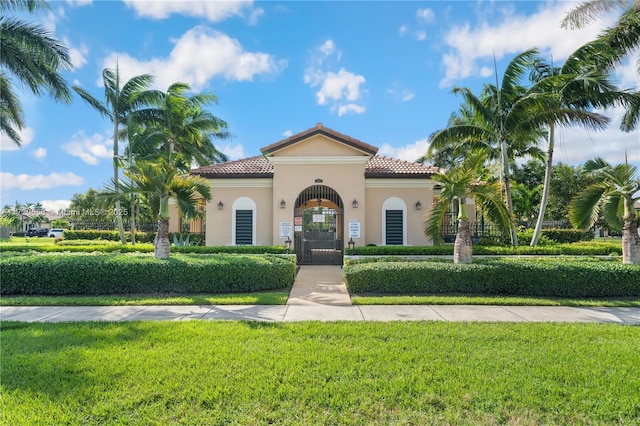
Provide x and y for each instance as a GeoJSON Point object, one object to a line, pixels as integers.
{"type": "Point", "coordinates": [318, 236]}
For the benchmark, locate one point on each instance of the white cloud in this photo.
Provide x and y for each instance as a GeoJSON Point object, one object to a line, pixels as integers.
{"type": "Point", "coordinates": [39, 153]}
{"type": "Point", "coordinates": [198, 56]}
{"type": "Point", "coordinates": [214, 11]}
{"type": "Point", "coordinates": [234, 152]}
{"type": "Point", "coordinates": [287, 133]}
{"type": "Point", "coordinates": [89, 148]}
{"type": "Point", "coordinates": [421, 35]}
{"type": "Point", "coordinates": [400, 94]}
{"type": "Point", "coordinates": [403, 30]}
{"type": "Point", "coordinates": [409, 152]}
{"type": "Point", "coordinates": [55, 205]}
{"type": "Point", "coordinates": [26, 136]}
{"type": "Point", "coordinates": [425, 15]}
{"type": "Point", "coordinates": [79, 3]}
{"type": "Point", "coordinates": [333, 87]}
{"type": "Point", "coordinates": [78, 55]}
{"type": "Point", "coordinates": [514, 34]}
{"type": "Point", "coordinates": [28, 182]}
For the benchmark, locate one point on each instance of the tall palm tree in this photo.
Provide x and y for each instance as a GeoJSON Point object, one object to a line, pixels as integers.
{"type": "Point", "coordinates": [29, 56]}
{"type": "Point", "coordinates": [614, 195]}
{"type": "Point", "coordinates": [457, 185]}
{"type": "Point", "coordinates": [121, 102]}
{"type": "Point", "coordinates": [163, 181]}
{"type": "Point", "coordinates": [505, 117]}
{"type": "Point", "coordinates": [578, 89]}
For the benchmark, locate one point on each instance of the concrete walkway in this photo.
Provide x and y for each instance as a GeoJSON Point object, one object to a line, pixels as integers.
{"type": "Point", "coordinates": [292, 313]}
{"type": "Point", "coordinates": [319, 285]}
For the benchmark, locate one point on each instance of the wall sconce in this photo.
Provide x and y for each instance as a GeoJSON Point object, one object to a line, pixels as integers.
{"type": "Point", "coordinates": [418, 205]}
{"type": "Point", "coordinates": [352, 245]}
{"type": "Point", "coordinates": [355, 203]}
{"type": "Point", "coordinates": [283, 204]}
{"type": "Point", "coordinates": [287, 244]}
{"type": "Point", "coordinates": [220, 205]}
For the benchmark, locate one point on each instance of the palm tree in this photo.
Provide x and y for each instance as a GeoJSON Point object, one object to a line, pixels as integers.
{"type": "Point", "coordinates": [120, 104]}
{"type": "Point", "coordinates": [505, 118]}
{"type": "Point", "coordinates": [578, 88]}
{"type": "Point", "coordinates": [163, 181]}
{"type": "Point", "coordinates": [457, 185]}
{"type": "Point", "coordinates": [33, 58]}
{"type": "Point", "coordinates": [614, 195]}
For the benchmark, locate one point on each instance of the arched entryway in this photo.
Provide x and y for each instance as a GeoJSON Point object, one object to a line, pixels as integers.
{"type": "Point", "coordinates": [318, 221]}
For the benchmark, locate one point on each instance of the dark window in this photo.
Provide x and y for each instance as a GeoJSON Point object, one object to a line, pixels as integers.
{"type": "Point", "coordinates": [244, 227]}
{"type": "Point", "coordinates": [394, 227]}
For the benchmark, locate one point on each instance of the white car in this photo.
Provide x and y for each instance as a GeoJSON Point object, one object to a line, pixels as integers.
{"type": "Point", "coordinates": [56, 233]}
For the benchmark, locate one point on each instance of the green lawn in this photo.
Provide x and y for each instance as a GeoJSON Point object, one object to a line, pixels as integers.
{"type": "Point", "coordinates": [198, 372]}
{"type": "Point", "coordinates": [488, 300]}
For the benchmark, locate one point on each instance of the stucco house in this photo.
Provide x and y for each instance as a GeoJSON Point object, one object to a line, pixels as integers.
{"type": "Point", "coordinates": [319, 189]}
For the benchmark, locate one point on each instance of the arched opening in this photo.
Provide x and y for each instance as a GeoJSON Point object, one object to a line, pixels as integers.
{"type": "Point", "coordinates": [318, 226]}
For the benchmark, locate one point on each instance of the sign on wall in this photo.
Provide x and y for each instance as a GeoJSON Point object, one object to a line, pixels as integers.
{"type": "Point", "coordinates": [285, 230]}
{"type": "Point", "coordinates": [354, 228]}
{"type": "Point", "coordinates": [318, 218]}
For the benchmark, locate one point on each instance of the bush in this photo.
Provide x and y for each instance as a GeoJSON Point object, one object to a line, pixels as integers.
{"type": "Point", "coordinates": [567, 235]}
{"type": "Point", "coordinates": [555, 277]}
{"type": "Point", "coordinates": [63, 274]}
{"type": "Point", "coordinates": [141, 236]}
{"type": "Point", "coordinates": [575, 249]}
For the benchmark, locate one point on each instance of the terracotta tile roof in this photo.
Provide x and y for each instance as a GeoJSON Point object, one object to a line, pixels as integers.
{"type": "Point", "coordinates": [252, 167]}
{"type": "Point", "coordinates": [385, 167]}
{"type": "Point", "coordinates": [260, 167]}
{"type": "Point", "coordinates": [322, 130]}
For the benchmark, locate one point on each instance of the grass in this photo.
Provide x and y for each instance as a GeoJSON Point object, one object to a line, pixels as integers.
{"type": "Point", "coordinates": [257, 298]}
{"type": "Point", "coordinates": [199, 372]}
{"type": "Point", "coordinates": [488, 300]}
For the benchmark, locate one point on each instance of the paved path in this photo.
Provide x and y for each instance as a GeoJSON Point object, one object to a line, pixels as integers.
{"type": "Point", "coordinates": [292, 313]}
{"type": "Point", "coordinates": [319, 285]}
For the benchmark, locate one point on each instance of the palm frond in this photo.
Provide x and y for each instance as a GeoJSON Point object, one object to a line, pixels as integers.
{"type": "Point", "coordinates": [584, 208]}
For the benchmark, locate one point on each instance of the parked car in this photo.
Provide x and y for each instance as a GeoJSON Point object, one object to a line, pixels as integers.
{"type": "Point", "coordinates": [37, 232]}
{"type": "Point", "coordinates": [56, 233]}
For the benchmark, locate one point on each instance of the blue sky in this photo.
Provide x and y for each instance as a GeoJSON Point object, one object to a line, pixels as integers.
{"type": "Point", "coordinates": [378, 71]}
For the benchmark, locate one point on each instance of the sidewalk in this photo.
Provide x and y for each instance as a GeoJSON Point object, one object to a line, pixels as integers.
{"type": "Point", "coordinates": [293, 313]}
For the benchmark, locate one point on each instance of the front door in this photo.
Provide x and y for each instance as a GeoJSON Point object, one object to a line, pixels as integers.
{"type": "Point", "coordinates": [318, 236]}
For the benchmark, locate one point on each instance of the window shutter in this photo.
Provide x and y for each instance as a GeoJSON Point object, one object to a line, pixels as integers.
{"type": "Point", "coordinates": [394, 228]}
{"type": "Point", "coordinates": [244, 227]}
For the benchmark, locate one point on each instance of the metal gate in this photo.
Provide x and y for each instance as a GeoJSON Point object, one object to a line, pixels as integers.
{"type": "Point", "coordinates": [318, 239]}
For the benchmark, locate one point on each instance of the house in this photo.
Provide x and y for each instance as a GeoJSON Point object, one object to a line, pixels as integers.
{"type": "Point", "coordinates": [318, 189]}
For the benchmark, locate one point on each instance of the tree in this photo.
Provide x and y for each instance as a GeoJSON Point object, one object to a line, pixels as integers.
{"type": "Point", "coordinates": [457, 185]}
{"type": "Point", "coordinates": [566, 182]}
{"type": "Point", "coordinates": [30, 56]}
{"type": "Point", "coordinates": [615, 192]}
{"type": "Point", "coordinates": [163, 181]}
{"type": "Point", "coordinates": [120, 104]}
{"type": "Point", "coordinates": [526, 202]}
{"type": "Point", "coordinates": [506, 118]}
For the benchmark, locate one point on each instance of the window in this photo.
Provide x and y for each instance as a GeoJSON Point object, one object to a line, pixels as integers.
{"type": "Point", "coordinates": [244, 227]}
{"type": "Point", "coordinates": [394, 227]}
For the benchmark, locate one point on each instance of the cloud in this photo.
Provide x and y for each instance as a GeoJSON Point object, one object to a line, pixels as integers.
{"type": "Point", "coordinates": [79, 3]}
{"type": "Point", "coordinates": [197, 57]}
{"type": "Point", "coordinates": [421, 35]}
{"type": "Point", "coordinates": [234, 152]}
{"type": "Point", "coordinates": [409, 152]}
{"type": "Point", "coordinates": [403, 30]}
{"type": "Point", "coordinates": [471, 48]}
{"type": "Point", "coordinates": [78, 55]}
{"type": "Point", "coordinates": [89, 148]}
{"type": "Point", "coordinates": [26, 136]}
{"type": "Point", "coordinates": [334, 87]}
{"type": "Point", "coordinates": [425, 15]}
{"type": "Point", "coordinates": [39, 153]}
{"type": "Point", "coordinates": [55, 205]}
{"type": "Point", "coordinates": [214, 11]}
{"type": "Point", "coordinates": [287, 133]}
{"type": "Point", "coordinates": [400, 94]}
{"type": "Point", "coordinates": [29, 182]}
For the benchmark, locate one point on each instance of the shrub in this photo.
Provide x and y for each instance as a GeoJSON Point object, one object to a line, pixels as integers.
{"type": "Point", "coordinates": [555, 277]}
{"type": "Point", "coordinates": [58, 274]}
{"type": "Point", "coordinates": [567, 235]}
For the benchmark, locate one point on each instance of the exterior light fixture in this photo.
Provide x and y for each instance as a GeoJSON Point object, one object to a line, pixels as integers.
{"type": "Point", "coordinates": [287, 244]}
{"type": "Point", "coordinates": [220, 205]}
{"type": "Point", "coordinates": [352, 244]}
{"type": "Point", "coordinates": [355, 203]}
{"type": "Point", "coordinates": [418, 205]}
{"type": "Point", "coordinates": [318, 181]}
{"type": "Point", "coordinates": [283, 204]}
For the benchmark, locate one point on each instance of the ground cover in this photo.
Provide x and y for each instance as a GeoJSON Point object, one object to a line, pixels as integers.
{"type": "Point", "coordinates": [428, 299]}
{"type": "Point", "coordinates": [199, 372]}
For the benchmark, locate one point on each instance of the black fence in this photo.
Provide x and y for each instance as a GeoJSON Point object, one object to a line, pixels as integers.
{"type": "Point", "coordinates": [479, 231]}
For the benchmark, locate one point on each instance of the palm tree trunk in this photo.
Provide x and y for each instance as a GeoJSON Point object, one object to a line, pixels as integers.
{"type": "Point", "coordinates": [545, 188]}
{"type": "Point", "coordinates": [132, 219]}
{"type": "Point", "coordinates": [162, 244]}
{"type": "Point", "coordinates": [507, 188]}
{"type": "Point", "coordinates": [630, 237]}
{"type": "Point", "coordinates": [123, 239]}
{"type": "Point", "coordinates": [463, 246]}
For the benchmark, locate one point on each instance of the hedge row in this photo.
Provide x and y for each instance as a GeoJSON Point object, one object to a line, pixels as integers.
{"type": "Point", "coordinates": [576, 249]}
{"type": "Point", "coordinates": [64, 274]}
{"type": "Point", "coordinates": [139, 248]}
{"type": "Point", "coordinates": [522, 277]}
{"type": "Point", "coordinates": [567, 235]}
{"type": "Point", "coordinates": [141, 236]}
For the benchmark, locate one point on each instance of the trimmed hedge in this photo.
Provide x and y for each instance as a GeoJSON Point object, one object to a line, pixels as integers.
{"type": "Point", "coordinates": [522, 277]}
{"type": "Point", "coordinates": [567, 235]}
{"type": "Point", "coordinates": [141, 236]}
{"type": "Point", "coordinates": [139, 248]}
{"type": "Point", "coordinates": [65, 274]}
{"type": "Point", "coordinates": [575, 249]}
